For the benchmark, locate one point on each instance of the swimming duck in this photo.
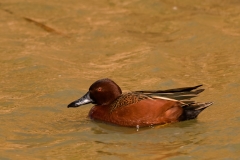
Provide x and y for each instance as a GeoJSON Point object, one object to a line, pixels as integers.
{"type": "Point", "coordinates": [140, 108]}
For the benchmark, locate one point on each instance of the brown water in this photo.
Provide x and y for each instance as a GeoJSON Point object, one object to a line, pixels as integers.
{"type": "Point", "coordinates": [52, 51]}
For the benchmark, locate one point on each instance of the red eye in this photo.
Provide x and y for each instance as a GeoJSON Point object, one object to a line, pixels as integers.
{"type": "Point", "coordinates": [99, 89]}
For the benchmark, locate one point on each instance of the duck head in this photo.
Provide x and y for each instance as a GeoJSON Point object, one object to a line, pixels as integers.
{"type": "Point", "coordinates": [101, 92]}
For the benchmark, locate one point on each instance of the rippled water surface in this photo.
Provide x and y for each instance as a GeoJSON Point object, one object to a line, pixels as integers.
{"type": "Point", "coordinates": [52, 51]}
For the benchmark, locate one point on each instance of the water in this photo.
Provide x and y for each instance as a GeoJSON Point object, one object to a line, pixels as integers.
{"type": "Point", "coordinates": [52, 51]}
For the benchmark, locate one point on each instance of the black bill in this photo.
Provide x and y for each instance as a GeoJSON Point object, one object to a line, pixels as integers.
{"type": "Point", "coordinates": [83, 100]}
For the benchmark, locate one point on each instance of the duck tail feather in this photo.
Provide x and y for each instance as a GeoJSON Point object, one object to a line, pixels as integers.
{"type": "Point", "coordinates": [192, 110]}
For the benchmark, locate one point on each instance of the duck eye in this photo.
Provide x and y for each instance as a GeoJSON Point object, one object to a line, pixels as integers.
{"type": "Point", "coordinates": [99, 89]}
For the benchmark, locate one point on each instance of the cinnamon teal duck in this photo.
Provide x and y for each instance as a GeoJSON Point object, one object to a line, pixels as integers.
{"type": "Point", "coordinates": [140, 108]}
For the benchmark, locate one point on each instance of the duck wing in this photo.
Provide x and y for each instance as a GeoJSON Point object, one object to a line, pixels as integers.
{"type": "Point", "coordinates": [182, 94]}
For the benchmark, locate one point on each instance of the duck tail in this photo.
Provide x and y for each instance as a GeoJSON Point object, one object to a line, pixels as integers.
{"type": "Point", "coordinates": [192, 110]}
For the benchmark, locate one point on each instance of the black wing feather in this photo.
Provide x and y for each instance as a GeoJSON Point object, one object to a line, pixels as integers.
{"type": "Point", "coordinates": [183, 94]}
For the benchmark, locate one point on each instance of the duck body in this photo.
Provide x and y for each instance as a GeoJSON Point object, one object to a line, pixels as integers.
{"type": "Point", "coordinates": [140, 108]}
{"type": "Point", "coordinates": [143, 113]}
